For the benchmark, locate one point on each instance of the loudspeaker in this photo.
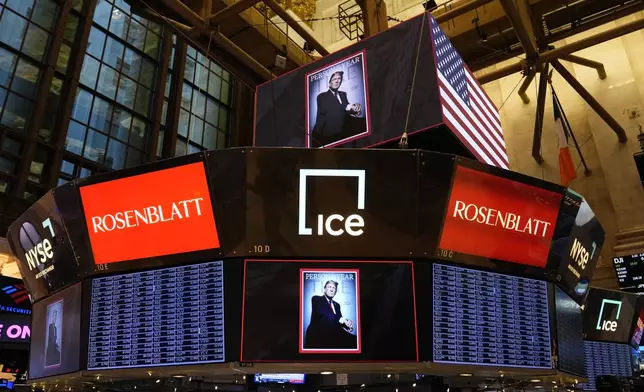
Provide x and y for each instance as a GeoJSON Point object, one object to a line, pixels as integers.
{"type": "Point", "coordinates": [639, 162]}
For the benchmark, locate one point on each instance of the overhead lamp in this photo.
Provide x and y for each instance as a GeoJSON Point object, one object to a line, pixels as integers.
{"type": "Point", "coordinates": [535, 380]}
{"type": "Point", "coordinates": [326, 372]}
{"type": "Point", "coordinates": [465, 374]}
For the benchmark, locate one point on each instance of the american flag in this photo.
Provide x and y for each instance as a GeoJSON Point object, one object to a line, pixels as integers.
{"type": "Point", "coordinates": [467, 110]}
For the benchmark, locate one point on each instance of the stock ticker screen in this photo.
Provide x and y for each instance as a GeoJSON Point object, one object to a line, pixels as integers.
{"type": "Point", "coordinates": [170, 316]}
{"type": "Point", "coordinates": [484, 318]}
{"type": "Point", "coordinates": [605, 358]}
{"type": "Point", "coordinates": [630, 271]}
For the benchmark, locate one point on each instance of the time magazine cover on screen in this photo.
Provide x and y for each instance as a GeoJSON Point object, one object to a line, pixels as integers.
{"type": "Point", "coordinates": [330, 311]}
{"type": "Point", "coordinates": [337, 102]}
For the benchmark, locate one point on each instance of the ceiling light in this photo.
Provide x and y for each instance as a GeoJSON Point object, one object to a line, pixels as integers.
{"type": "Point", "coordinates": [158, 380]}
{"type": "Point", "coordinates": [466, 374]}
{"type": "Point", "coordinates": [361, 386]}
{"type": "Point", "coordinates": [216, 387]}
{"type": "Point", "coordinates": [535, 380]}
{"type": "Point", "coordinates": [388, 375]}
{"type": "Point", "coordinates": [150, 374]}
{"type": "Point", "coordinates": [179, 376]}
{"type": "Point", "coordinates": [326, 372]}
{"type": "Point", "coordinates": [413, 385]}
{"type": "Point", "coordinates": [243, 378]}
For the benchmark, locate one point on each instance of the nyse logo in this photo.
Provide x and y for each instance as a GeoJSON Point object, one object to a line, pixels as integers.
{"type": "Point", "coordinates": [580, 254]}
{"type": "Point", "coordinates": [38, 251]}
{"type": "Point", "coordinates": [352, 224]}
{"type": "Point", "coordinates": [608, 325]}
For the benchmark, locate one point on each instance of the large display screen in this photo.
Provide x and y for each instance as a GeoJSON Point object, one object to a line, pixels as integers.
{"type": "Point", "coordinates": [14, 297]}
{"type": "Point", "coordinates": [170, 316]}
{"type": "Point", "coordinates": [328, 310]}
{"type": "Point", "coordinates": [159, 213]}
{"type": "Point", "coordinates": [484, 318]}
{"type": "Point", "coordinates": [608, 315]}
{"type": "Point", "coordinates": [14, 328]}
{"type": "Point", "coordinates": [638, 329]}
{"type": "Point", "coordinates": [570, 336]}
{"type": "Point", "coordinates": [280, 378]}
{"type": "Point", "coordinates": [498, 218]}
{"type": "Point", "coordinates": [362, 95]}
{"type": "Point", "coordinates": [576, 245]}
{"type": "Point", "coordinates": [630, 271]}
{"type": "Point", "coordinates": [55, 338]}
{"type": "Point", "coordinates": [42, 244]}
{"type": "Point", "coordinates": [604, 358]}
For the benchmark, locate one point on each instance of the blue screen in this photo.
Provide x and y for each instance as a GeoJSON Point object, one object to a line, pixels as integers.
{"type": "Point", "coordinates": [484, 318]}
{"type": "Point", "coordinates": [604, 359]}
{"type": "Point", "coordinates": [280, 378]}
{"type": "Point", "coordinates": [170, 316]}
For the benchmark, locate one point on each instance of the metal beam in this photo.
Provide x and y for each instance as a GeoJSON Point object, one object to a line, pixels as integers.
{"type": "Point", "coordinates": [232, 10]}
{"type": "Point", "coordinates": [592, 102]}
{"type": "Point", "coordinates": [502, 72]}
{"type": "Point", "coordinates": [538, 121]}
{"type": "Point", "coordinates": [525, 37]}
{"type": "Point", "coordinates": [463, 9]}
{"type": "Point", "coordinates": [524, 86]}
{"type": "Point", "coordinates": [219, 39]}
{"type": "Point", "coordinates": [297, 26]}
{"type": "Point", "coordinates": [601, 70]}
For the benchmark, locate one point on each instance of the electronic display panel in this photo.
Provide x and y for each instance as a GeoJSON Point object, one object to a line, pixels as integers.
{"type": "Point", "coordinates": [159, 213]}
{"type": "Point", "coordinates": [169, 316]}
{"type": "Point", "coordinates": [14, 297]}
{"type": "Point", "coordinates": [604, 358]}
{"type": "Point", "coordinates": [280, 378]}
{"type": "Point", "coordinates": [570, 337]}
{"type": "Point", "coordinates": [309, 311]}
{"type": "Point", "coordinates": [485, 318]}
{"type": "Point", "coordinates": [630, 271]}
{"type": "Point", "coordinates": [55, 342]}
{"type": "Point", "coordinates": [15, 328]}
{"type": "Point", "coordinates": [576, 245]}
{"type": "Point", "coordinates": [608, 315]}
{"type": "Point", "coordinates": [638, 329]}
{"type": "Point", "coordinates": [362, 95]}
{"type": "Point", "coordinates": [498, 218]}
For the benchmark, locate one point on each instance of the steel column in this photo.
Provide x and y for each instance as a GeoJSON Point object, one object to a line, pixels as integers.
{"type": "Point", "coordinates": [601, 70]}
{"type": "Point", "coordinates": [524, 86]}
{"type": "Point", "coordinates": [174, 99]}
{"type": "Point", "coordinates": [157, 104]}
{"type": "Point", "coordinates": [597, 107]}
{"type": "Point", "coordinates": [502, 72]}
{"type": "Point", "coordinates": [538, 122]}
{"type": "Point", "coordinates": [520, 29]}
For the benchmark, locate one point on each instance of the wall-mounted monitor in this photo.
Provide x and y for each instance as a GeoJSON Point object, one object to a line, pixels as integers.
{"type": "Point", "coordinates": [280, 378]}
{"type": "Point", "coordinates": [609, 315]}
{"type": "Point", "coordinates": [485, 318]}
{"type": "Point", "coordinates": [630, 272]}
{"type": "Point", "coordinates": [570, 337]}
{"type": "Point", "coordinates": [603, 358]}
{"type": "Point", "coordinates": [169, 316]}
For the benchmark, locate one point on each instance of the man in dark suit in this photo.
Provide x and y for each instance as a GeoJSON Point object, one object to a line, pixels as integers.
{"type": "Point", "coordinates": [52, 351]}
{"type": "Point", "coordinates": [328, 328]}
{"type": "Point", "coordinates": [336, 118]}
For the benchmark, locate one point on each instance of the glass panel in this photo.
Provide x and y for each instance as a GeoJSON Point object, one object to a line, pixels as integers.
{"type": "Point", "coordinates": [184, 120]}
{"type": "Point", "coordinates": [70, 28]}
{"type": "Point", "coordinates": [101, 115]}
{"type": "Point", "coordinates": [115, 157]}
{"type": "Point", "coordinates": [160, 142]}
{"type": "Point", "coordinates": [7, 165]}
{"type": "Point", "coordinates": [215, 68]}
{"type": "Point", "coordinates": [168, 84]}
{"type": "Point", "coordinates": [148, 70]}
{"type": "Point", "coordinates": [121, 125]}
{"type": "Point", "coordinates": [136, 35]}
{"type": "Point", "coordinates": [225, 91]}
{"type": "Point", "coordinates": [143, 101]}
{"type": "Point", "coordinates": [12, 29]}
{"type": "Point", "coordinates": [75, 138]}
{"type": "Point", "coordinates": [201, 77]}
{"type": "Point", "coordinates": [95, 146]}
{"type": "Point", "coordinates": [4, 186]}
{"type": "Point", "coordinates": [45, 14]}
{"type": "Point", "coordinates": [212, 112]}
{"type": "Point", "coordinates": [51, 111]}
{"type": "Point", "coordinates": [221, 140]}
{"type": "Point", "coordinates": [22, 7]}
{"type": "Point", "coordinates": [35, 42]}
{"type": "Point", "coordinates": [113, 53]}
{"type": "Point", "coordinates": [95, 42]}
{"type": "Point", "coordinates": [17, 111]}
{"type": "Point", "coordinates": [134, 157]}
{"type": "Point", "coordinates": [172, 54]}
{"type": "Point", "coordinates": [61, 181]}
{"type": "Point", "coordinates": [84, 173]}
{"type": "Point", "coordinates": [82, 105]}
{"type": "Point", "coordinates": [37, 165]}
{"type": "Point", "coordinates": [223, 118]}
{"type": "Point", "coordinates": [164, 112]}
{"type": "Point", "coordinates": [210, 137]}
{"type": "Point", "coordinates": [186, 96]}
{"type": "Point", "coordinates": [25, 78]}
{"type": "Point", "coordinates": [89, 73]}
{"type": "Point", "coordinates": [152, 45]}
{"type": "Point", "coordinates": [102, 13]}
{"type": "Point", "coordinates": [12, 146]}
{"type": "Point", "coordinates": [155, 27]}
{"type": "Point", "coordinates": [107, 82]}
{"type": "Point", "coordinates": [196, 130]}
{"type": "Point", "coordinates": [127, 91]}
{"type": "Point", "coordinates": [225, 75]}
{"type": "Point", "coordinates": [119, 23]}
{"type": "Point", "coordinates": [199, 104]}
{"type": "Point", "coordinates": [180, 148]}
{"type": "Point", "coordinates": [138, 134]}
{"type": "Point", "coordinates": [189, 72]}
{"type": "Point", "coordinates": [77, 5]}
{"type": "Point", "coordinates": [3, 95]}
{"type": "Point", "coordinates": [63, 58]}
{"type": "Point", "coordinates": [131, 64]}
{"type": "Point", "coordinates": [192, 52]}
{"type": "Point", "coordinates": [214, 86]}
{"type": "Point", "coordinates": [7, 64]}
{"type": "Point", "coordinates": [67, 167]}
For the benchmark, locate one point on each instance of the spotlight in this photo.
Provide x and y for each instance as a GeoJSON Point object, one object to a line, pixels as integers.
{"type": "Point", "coordinates": [465, 374]}
{"type": "Point", "coordinates": [388, 375]}
{"type": "Point", "coordinates": [243, 378]}
{"type": "Point", "coordinates": [535, 380]}
{"type": "Point", "coordinates": [158, 380]}
{"type": "Point", "coordinates": [326, 372]}
{"type": "Point", "coordinates": [430, 5]}
{"type": "Point", "coordinates": [362, 386]}
{"type": "Point", "coordinates": [413, 385]}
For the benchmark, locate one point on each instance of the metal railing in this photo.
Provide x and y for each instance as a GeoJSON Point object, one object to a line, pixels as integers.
{"type": "Point", "coordinates": [350, 20]}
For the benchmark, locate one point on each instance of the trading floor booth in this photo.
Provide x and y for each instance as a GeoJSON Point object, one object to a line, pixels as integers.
{"type": "Point", "coordinates": [228, 264]}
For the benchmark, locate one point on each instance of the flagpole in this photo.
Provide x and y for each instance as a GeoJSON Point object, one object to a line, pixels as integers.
{"type": "Point", "coordinates": [587, 171]}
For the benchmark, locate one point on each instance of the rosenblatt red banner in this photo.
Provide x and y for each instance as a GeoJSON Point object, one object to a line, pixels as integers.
{"type": "Point", "coordinates": [154, 214]}
{"type": "Point", "coordinates": [497, 218]}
